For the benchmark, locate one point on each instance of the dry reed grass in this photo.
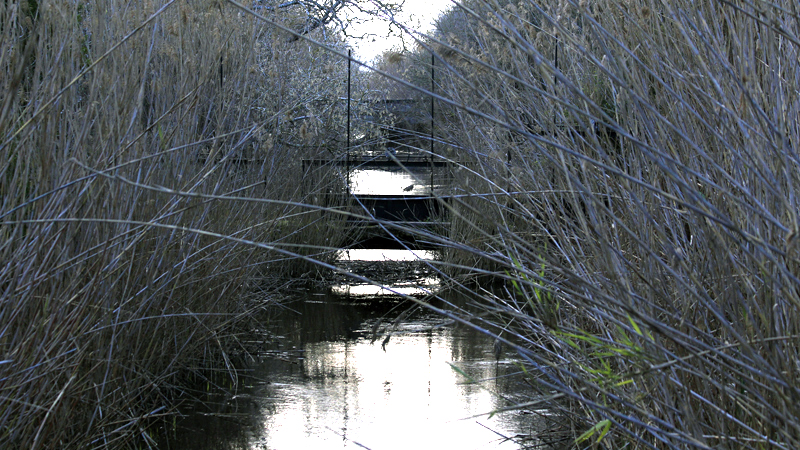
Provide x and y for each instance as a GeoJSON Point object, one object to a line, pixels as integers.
{"type": "Point", "coordinates": [632, 169]}
{"type": "Point", "coordinates": [141, 145]}
{"type": "Point", "coordinates": [632, 178]}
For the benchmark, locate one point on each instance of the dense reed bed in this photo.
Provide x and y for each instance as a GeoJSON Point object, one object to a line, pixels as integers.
{"type": "Point", "coordinates": [139, 143]}
{"type": "Point", "coordinates": [630, 171]}
{"type": "Point", "coordinates": [627, 172]}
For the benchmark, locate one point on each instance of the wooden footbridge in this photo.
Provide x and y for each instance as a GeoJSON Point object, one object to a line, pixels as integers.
{"type": "Point", "coordinates": [383, 213]}
{"type": "Point", "coordinates": [393, 203]}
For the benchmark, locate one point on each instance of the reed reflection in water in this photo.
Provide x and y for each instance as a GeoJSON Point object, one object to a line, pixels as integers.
{"type": "Point", "coordinates": [404, 397]}
{"type": "Point", "coordinates": [405, 272]}
{"type": "Point", "coordinates": [334, 387]}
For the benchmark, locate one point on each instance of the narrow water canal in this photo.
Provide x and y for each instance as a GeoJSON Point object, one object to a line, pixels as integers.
{"type": "Point", "coordinates": [358, 366]}
{"type": "Point", "coordinates": [332, 380]}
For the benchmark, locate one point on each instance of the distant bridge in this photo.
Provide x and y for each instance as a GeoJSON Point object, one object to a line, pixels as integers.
{"type": "Point", "coordinates": [397, 215]}
{"type": "Point", "coordinates": [396, 219]}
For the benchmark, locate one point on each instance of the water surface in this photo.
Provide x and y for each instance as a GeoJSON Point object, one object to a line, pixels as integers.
{"type": "Point", "coordinates": [346, 374]}
{"type": "Point", "coordinates": [395, 181]}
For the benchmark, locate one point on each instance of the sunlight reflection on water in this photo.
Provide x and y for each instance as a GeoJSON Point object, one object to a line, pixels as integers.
{"type": "Point", "coordinates": [394, 182]}
{"type": "Point", "coordinates": [369, 254]}
{"type": "Point", "coordinates": [424, 286]}
{"type": "Point", "coordinates": [334, 382]}
{"type": "Point", "coordinates": [356, 394]}
{"type": "Point", "coordinates": [355, 368]}
{"type": "Point", "coordinates": [416, 284]}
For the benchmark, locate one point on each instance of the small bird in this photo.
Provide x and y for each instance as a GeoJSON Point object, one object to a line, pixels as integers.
{"type": "Point", "coordinates": [408, 188]}
{"type": "Point", "coordinates": [497, 348]}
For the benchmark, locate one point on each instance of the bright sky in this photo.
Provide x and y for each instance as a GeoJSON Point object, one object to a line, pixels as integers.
{"type": "Point", "coordinates": [416, 14]}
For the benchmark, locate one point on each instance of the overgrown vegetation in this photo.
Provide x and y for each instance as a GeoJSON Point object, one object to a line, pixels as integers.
{"type": "Point", "coordinates": [627, 170]}
{"type": "Point", "coordinates": [141, 145]}
{"type": "Point", "coordinates": [630, 170]}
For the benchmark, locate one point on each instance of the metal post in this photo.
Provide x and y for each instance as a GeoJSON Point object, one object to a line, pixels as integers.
{"type": "Point", "coordinates": [347, 166]}
{"type": "Point", "coordinates": [555, 76]}
{"type": "Point", "coordinates": [555, 82]}
{"type": "Point", "coordinates": [508, 175]}
{"type": "Point", "coordinates": [433, 87]}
